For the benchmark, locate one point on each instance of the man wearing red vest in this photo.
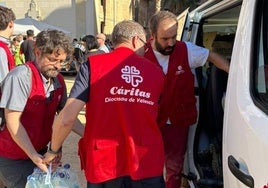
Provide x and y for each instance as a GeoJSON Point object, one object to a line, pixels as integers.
{"type": "Point", "coordinates": [32, 94]}
{"type": "Point", "coordinates": [178, 104]}
{"type": "Point", "coordinates": [7, 62]}
{"type": "Point", "coordinates": [122, 145]}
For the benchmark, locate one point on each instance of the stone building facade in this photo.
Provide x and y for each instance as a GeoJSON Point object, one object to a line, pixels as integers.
{"type": "Point", "coordinates": [110, 12]}
{"type": "Point", "coordinates": [82, 17]}
{"type": "Point", "coordinates": [60, 13]}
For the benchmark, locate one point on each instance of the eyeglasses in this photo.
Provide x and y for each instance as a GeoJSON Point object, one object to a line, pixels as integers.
{"type": "Point", "coordinates": [145, 44]}
{"type": "Point", "coordinates": [56, 61]}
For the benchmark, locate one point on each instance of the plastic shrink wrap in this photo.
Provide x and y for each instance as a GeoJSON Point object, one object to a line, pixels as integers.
{"type": "Point", "coordinates": [63, 177]}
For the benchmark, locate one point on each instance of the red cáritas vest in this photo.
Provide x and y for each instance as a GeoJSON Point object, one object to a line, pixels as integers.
{"type": "Point", "coordinates": [37, 118]}
{"type": "Point", "coordinates": [178, 102]}
{"type": "Point", "coordinates": [11, 65]}
{"type": "Point", "coordinates": [122, 137]}
{"type": "Point", "coordinates": [10, 59]}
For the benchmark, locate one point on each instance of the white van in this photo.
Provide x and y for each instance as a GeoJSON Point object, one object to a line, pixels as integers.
{"type": "Point", "coordinates": [229, 145]}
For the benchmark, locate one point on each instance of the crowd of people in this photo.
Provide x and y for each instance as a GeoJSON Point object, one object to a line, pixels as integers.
{"type": "Point", "coordinates": [136, 122]}
{"type": "Point", "coordinates": [89, 45]}
{"type": "Point", "coordinates": [22, 47]}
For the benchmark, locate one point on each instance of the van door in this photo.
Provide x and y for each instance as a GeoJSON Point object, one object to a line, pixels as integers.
{"type": "Point", "coordinates": [183, 25]}
{"type": "Point", "coordinates": [245, 131]}
{"type": "Point", "coordinates": [228, 146]}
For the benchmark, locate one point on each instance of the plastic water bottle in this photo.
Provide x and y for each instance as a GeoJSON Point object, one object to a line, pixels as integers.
{"type": "Point", "coordinates": [59, 181]}
{"type": "Point", "coordinates": [32, 182]}
{"type": "Point", "coordinates": [73, 179]}
{"type": "Point", "coordinates": [63, 177]}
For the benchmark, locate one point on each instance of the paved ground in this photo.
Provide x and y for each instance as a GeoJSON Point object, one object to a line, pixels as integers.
{"type": "Point", "coordinates": [70, 145]}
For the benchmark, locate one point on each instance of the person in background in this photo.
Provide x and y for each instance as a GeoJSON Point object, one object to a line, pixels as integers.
{"type": "Point", "coordinates": [20, 38]}
{"type": "Point", "coordinates": [178, 103]}
{"type": "Point", "coordinates": [32, 94]}
{"type": "Point", "coordinates": [91, 45]}
{"type": "Point", "coordinates": [109, 44]}
{"type": "Point", "coordinates": [122, 145]}
{"type": "Point", "coordinates": [101, 38]}
{"type": "Point", "coordinates": [27, 46]}
{"type": "Point", "coordinates": [78, 55]}
{"type": "Point", "coordinates": [7, 18]}
{"type": "Point", "coordinates": [18, 56]}
{"type": "Point", "coordinates": [75, 42]}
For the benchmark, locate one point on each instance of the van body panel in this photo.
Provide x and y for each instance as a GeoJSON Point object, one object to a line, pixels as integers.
{"type": "Point", "coordinates": [245, 127]}
{"type": "Point", "coordinates": [244, 146]}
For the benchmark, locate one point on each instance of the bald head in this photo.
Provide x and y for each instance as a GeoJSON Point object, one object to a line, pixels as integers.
{"type": "Point", "coordinates": [101, 39]}
{"type": "Point", "coordinates": [101, 36]}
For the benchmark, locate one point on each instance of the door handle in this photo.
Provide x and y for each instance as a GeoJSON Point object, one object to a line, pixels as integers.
{"type": "Point", "coordinates": [239, 174]}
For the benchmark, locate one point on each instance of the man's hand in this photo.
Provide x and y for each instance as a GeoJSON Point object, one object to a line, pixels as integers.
{"type": "Point", "coordinates": [55, 159]}
{"type": "Point", "coordinates": [38, 160]}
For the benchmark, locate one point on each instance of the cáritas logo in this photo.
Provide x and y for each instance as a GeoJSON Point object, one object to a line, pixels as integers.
{"type": "Point", "coordinates": [131, 75]}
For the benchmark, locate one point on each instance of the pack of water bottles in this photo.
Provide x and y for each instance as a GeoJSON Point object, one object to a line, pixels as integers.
{"type": "Point", "coordinates": [63, 177]}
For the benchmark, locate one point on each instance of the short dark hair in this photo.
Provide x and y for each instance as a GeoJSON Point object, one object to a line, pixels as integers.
{"type": "Point", "coordinates": [30, 32]}
{"type": "Point", "coordinates": [6, 16]}
{"type": "Point", "coordinates": [91, 42]}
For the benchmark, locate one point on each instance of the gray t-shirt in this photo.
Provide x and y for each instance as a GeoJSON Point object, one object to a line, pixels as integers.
{"type": "Point", "coordinates": [16, 89]}
{"type": "Point", "coordinates": [3, 59]}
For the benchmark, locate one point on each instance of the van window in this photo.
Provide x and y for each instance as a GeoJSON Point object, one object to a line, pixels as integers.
{"type": "Point", "coordinates": [260, 60]}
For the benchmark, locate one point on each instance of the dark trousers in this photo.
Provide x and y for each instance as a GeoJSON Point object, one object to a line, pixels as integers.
{"type": "Point", "coordinates": [175, 140]}
{"type": "Point", "coordinates": [127, 182]}
{"type": "Point", "coordinates": [13, 173]}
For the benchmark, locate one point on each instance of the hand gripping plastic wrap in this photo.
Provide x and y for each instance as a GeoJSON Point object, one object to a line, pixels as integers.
{"type": "Point", "coordinates": [63, 177]}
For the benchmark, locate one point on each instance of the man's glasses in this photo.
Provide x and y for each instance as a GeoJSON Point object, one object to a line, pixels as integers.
{"type": "Point", "coordinates": [56, 61]}
{"type": "Point", "coordinates": [99, 38]}
{"type": "Point", "coordinates": [145, 45]}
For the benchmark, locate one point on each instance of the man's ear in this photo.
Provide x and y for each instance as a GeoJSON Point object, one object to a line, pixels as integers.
{"type": "Point", "coordinates": [37, 52]}
{"type": "Point", "coordinates": [135, 42]}
{"type": "Point", "coordinates": [11, 24]}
